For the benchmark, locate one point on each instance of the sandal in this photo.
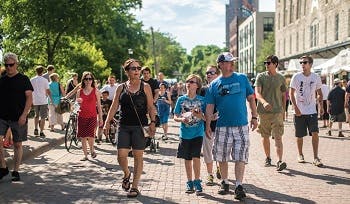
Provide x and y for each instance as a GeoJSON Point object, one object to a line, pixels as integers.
{"type": "Point", "coordinates": [84, 159]}
{"type": "Point", "coordinates": [93, 155]}
{"type": "Point", "coordinates": [126, 183]}
{"type": "Point", "coordinates": [133, 193]}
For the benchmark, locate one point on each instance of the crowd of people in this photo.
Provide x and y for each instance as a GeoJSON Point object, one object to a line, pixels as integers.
{"type": "Point", "coordinates": [212, 113]}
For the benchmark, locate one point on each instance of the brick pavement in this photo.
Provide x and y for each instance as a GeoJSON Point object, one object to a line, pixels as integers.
{"type": "Point", "coordinates": [59, 177]}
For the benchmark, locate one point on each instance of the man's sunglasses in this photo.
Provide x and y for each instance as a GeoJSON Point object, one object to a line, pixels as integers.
{"type": "Point", "coordinates": [9, 65]}
{"type": "Point", "coordinates": [267, 63]}
{"type": "Point", "coordinates": [304, 62]}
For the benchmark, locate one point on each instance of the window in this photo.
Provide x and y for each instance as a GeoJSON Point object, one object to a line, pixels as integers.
{"type": "Point", "coordinates": [336, 26]}
{"type": "Point", "coordinates": [325, 30]}
{"type": "Point", "coordinates": [291, 9]}
{"type": "Point", "coordinates": [268, 23]}
{"type": "Point", "coordinates": [284, 47]}
{"type": "Point", "coordinates": [279, 21]}
{"type": "Point", "coordinates": [297, 42]}
{"type": "Point", "coordinates": [298, 9]}
{"type": "Point", "coordinates": [285, 12]}
{"type": "Point", "coordinates": [252, 33]}
{"type": "Point", "coordinates": [314, 34]}
{"type": "Point", "coordinates": [290, 44]}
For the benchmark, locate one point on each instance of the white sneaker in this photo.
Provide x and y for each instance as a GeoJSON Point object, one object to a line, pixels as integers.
{"type": "Point", "coordinates": [301, 158]}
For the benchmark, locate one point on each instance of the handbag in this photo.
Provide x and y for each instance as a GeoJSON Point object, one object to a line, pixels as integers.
{"type": "Point", "coordinates": [63, 106]}
{"type": "Point", "coordinates": [145, 129]}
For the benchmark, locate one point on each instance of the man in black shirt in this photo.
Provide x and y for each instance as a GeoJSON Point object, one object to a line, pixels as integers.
{"type": "Point", "coordinates": [335, 105]}
{"type": "Point", "coordinates": [17, 88]}
{"type": "Point", "coordinates": [146, 77]}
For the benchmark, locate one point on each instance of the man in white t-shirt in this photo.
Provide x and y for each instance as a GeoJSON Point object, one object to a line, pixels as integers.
{"type": "Point", "coordinates": [304, 86]}
{"type": "Point", "coordinates": [110, 87]}
{"type": "Point", "coordinates": [40, 94]}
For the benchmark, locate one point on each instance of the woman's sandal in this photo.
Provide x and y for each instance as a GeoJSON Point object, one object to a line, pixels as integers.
{"type": "Point", "coordinates": [126, 183]}
{"type": "Point", "coordinates": [133, 193]}
{"type": "Point", "coordinates": [93, 155]}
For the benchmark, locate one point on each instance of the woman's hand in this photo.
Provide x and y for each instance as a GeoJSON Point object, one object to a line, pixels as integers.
{"type": "Point", "coordinates": [106, 128]}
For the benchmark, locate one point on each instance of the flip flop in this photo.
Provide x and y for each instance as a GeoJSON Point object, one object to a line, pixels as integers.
{"type": "Point", "coordinates": [126, 183]}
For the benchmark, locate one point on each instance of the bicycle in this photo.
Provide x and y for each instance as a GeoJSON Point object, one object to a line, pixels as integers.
{"type": "Point", "coordinates": [71, 128]}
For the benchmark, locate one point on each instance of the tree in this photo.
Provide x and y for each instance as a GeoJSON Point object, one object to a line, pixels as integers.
{"type": "Point", "coordinates": [202, 56]}
{"type": "Point", "coordinates": [267, 48]}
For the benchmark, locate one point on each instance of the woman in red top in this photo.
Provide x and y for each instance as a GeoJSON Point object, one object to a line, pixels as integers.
{"type": "Point", "coordinates": [87, 120]}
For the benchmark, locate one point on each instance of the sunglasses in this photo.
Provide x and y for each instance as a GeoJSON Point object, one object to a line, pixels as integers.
{"type": "Point", "coordinates": [88, 79]}
{"type": "Point", "coordinates": [304, 62]}
{"type": "Point", "coordinates": [210, 72]}
{"type": "Point", "coordinates": [267, 63]}
{"type": "Point", "coordinates": [191, 82]}
{"type": "Point", "coordinates": [9, 65]}
{"type": "Point", "coordinates": [134, 68]}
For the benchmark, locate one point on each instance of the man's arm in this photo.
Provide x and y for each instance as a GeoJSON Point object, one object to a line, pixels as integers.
{"type": "Point", "coordinates": [209, 110]}
{"type": "Point", "coordinates": [254, 119]}
{"type": "Point", "coordinates": [28, 105]}
{"type": "Point", "coordinates": [267, 106]}
{"type": "Point", "coordinates": [319, 100]}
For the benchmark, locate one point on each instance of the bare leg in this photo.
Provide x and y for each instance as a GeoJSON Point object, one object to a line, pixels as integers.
{"type": "Point", "coordinates": [83, 145]}
{"type": "Point", "coordinates": [138, 167]}
{"type": "Point", "coordinates": [91, 144]}
{"type": "Point", "coordinates": [209, 168]}
{"type": "Point", "coordinates": [41, 124]}
{"type": "Point", "coordinates": [315, 140]}
{"type": "Point", "coordinates": [188, 166]}
{"type": "Point", "coordinates": [17, 156]}
{"type": "Point", "coordinates": [197, 168]}
{"type": "Point", "coordinates": [2, 154]}
{"type": "Point", "coordinates": [123, 161]}
{"type": "Point", "coordinates": [36, 122]}
{"type": "Point", "coordinates": [300, 145]}
{"type": "Point", "coordinates": [239, 171]}
{"type": "Point", "coordinates": [266, 144]}
{"type": "Point", "coordinates": [223, 170]}
{"type": "Point", "coordinates": [279, 147]}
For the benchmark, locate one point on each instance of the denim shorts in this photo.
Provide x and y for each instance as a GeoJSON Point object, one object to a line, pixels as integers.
{"type": "Point", "coordinates": [131, 137]}
{"type": "Point", "coordinates": [19, 133]}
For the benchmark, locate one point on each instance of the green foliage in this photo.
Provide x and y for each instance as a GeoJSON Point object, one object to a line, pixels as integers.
{"type": "Point", "coordinates": [267, 48]}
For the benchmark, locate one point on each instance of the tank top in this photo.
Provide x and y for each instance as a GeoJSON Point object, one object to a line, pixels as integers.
{"type": "Point", "coordinates": [88, 106]}
{"type": "Point", "coordinates": [127, 111]}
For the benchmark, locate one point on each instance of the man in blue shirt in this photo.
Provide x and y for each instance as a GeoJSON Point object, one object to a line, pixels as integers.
{"type": "Point", "coordinates": [229, 93]}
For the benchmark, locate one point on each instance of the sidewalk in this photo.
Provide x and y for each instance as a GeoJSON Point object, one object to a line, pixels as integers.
{"type": "Point", "coordinates": [36, 145]}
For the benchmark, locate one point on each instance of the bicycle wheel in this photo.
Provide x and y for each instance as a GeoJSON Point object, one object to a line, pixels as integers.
{"type": "Point", "coordinates": [68, 138]}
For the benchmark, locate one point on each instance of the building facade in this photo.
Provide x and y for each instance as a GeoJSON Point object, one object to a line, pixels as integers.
{"type": "Point", "coordinates": [252, 32]}
{"type": "Point", "coordinates": [236, 12]}
{"type": "Point", "coordinates": [320, 28]}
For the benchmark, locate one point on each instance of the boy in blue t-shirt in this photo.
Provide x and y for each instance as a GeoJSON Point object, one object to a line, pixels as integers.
{"type": "Point", "coordinates": [189, 110]}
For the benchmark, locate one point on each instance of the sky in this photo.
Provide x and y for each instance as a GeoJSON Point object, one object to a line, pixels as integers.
{"type": "Point", "coordinates": [190, 22]}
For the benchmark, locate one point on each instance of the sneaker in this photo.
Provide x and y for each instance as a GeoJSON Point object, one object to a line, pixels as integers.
{"type": "Point", "coordinates": [268, 161]}
{"type": "Point", "coordinates": [317, 162]}
{"type": "Point", "coordinates": [164, 137]}
{"type": "Point", "coordinates": [218, 173]}
{"type": "Point", "coordinates": [329, 133]}
{"type": "Point", "coordinates": [239, 192]}
{"type": "Point", "coordinates": [15, 176]}
{"type": "Point", "coordinates": [301, 158]}
{"type": "Point", "coordinates": [198, 186]}
{"type": "Point", "coordinates": [42, 134]}
{"type": "Point", "coordinates": [210, 180]}
{"type": "Point", "coordinates": [36, 132]}
{"type": "Point", "coordinates": [224, 188]}
{"type": "Point", "coordinates": [281, 165]}
{"type": "Point", "coordinates": [3, 172]}
{"type": "Point", "coordinates": [189, 187]}
{"type": "Point", "coordinates": [340, 134]}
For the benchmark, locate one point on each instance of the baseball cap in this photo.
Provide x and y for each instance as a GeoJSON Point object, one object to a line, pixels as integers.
{"type": "Point", "coordinates": [336, 81]}
{"type": "Point", "coordinates": [225, 57]}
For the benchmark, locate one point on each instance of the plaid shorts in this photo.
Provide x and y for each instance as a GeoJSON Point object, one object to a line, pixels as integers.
{"type": "Point", "coordinates": [232, 141]}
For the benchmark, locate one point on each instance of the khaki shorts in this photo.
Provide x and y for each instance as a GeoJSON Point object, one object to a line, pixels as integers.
{"type": "Point", "coordinates": [271, 125]}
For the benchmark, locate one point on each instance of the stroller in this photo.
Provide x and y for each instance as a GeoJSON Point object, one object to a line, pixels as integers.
{"type": "Point", "coordinates": [151, 141]}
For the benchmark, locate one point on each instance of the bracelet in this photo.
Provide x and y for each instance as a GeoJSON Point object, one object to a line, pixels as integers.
{"type": "Point", "coordinates": [254, 118]}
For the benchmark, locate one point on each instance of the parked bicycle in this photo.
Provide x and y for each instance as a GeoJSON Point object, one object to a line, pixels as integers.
{"type": "Point", "coordinates": [71, 128]}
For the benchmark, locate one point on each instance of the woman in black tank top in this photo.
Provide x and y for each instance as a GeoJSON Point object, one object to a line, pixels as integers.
{"type": "Point", "coordinates": [132, 96]}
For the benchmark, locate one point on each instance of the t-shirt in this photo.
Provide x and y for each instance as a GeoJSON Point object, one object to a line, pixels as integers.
{"type": "Point", "coordinates": [325, 91]}
{"type": "Point", "coordinates": [336, 98]}
{"type": "Point", "coordinates": [272, 90]}
{"type": "Point", "coordinates": [229, 94]}
{"type": "Point", "coordinates": [184, 106]}
{"type": "Point", "coordinates": [40, 85]}
{"type": "Point", "coordinates": [12, 92]}
{"type": "Point", "coordinates": [305, 91]}
{"type": "Point", "coordinates": [55, 92]}
{"type": "Point", "coordinates": [110, 89]}
{"type": "Point", "coordinates": [154, 85]}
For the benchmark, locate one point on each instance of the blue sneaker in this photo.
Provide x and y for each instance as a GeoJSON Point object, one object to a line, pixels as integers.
{"type": "Point", "coordinates": [189, 187]}
{"type": "Point", "coordinates": [198, 186]}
